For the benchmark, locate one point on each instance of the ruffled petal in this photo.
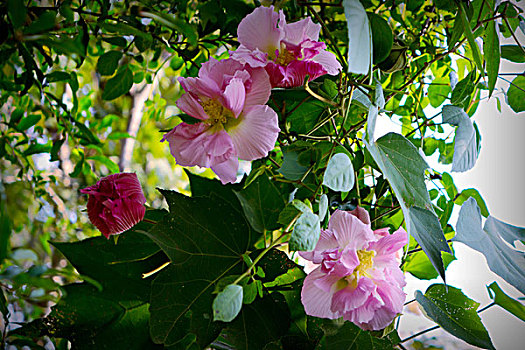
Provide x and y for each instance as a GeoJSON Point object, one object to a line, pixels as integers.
{"type": "Point", "coordinates": [295, 73]}
{"type": "Point", "coordinates": [296, 32]}
{"type": "Point", "coordinates": [254, 58]}
{"type": "Point", "coordinates": [349, 298]}
{"type": "Point", "coordinates": [256, 134]}
{"type": "Point", "coordinates": [326, 241]}
{"type": "Point", "coordinates": [316, 302]}
{"type": "Point", "coordinates": [187, 144]}
{"type": "Point", "coordinates": [361, 214]}
{"type": "Point", "coordinates": [350, 259]}
{"type": "Point", "coordinates": [259, 30]}
{"type": "Point", "coordinates": [328, 61]}
{"type": "Point", "coordinates": [382, 318]}
{"type": "Point", "coordinates": [234, 96]}
{"type": "Point", "coordinates": [191, 106]}
{"type": "Point", "coordinates": [259, 90]}
{"type": "Point", "coordinates": [227, 170]}
{"type": "Point", "coordinates": [350, 231]}
{"type": "Point", "coordinates": [390, 244]}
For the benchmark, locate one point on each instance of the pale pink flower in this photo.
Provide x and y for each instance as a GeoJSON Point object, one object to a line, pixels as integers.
{"type": "Point", "coordinates": [288, 51]}
{"type": "Point", "coordinates": [358, 275]}
{"type": "Point", "coordinates": [116, 203]}
{"type": "Point", "coordinates": [228, 100]}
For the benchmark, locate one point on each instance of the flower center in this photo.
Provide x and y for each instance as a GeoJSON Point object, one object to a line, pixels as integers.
{"type": "Point", "coordinates": [220, 117]}
{"type": "Point", "coordinates": [285, 57]}
{"type": "Point", "coordinates": [365, 261]}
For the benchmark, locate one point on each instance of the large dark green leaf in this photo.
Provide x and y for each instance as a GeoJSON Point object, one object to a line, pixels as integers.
{"type": "Point", "coordinates": [500, 298]}
{"type": "Point", "coordinates": [495, 241]}
{"type": "Point", "coordinates": [262, 202]}
{"type": "Point", "coordinates": [351, 337]}
{"type": "Point", "coordinates": [17, 12]}
{"type": "Point", "coordinates": [516, 94]}
{"type": "Point", "coordinates": [456, 313]}
{"type": "Point", "coordinates": [107, 63]}
{"type": "Point", "coordinates": [382, 38]}
{"type": "Point", "coordinates": [259, 323]}
{"type": "Point", "coordinates": [205, 238]}
{"type": "Point", "coordinates": [117, 86]}
{"type": "Point", "coordinates": [404, 168]}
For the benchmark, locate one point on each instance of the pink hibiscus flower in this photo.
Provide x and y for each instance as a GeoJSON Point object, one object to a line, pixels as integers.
{"type": "Point", "coordinates": [289, 52]}
{"type": "Point", "coordinates": [358, 276]}
{"type": "Point", "coordinates": [228, 99]}
{"type": "Point", "coordinates": [116, 203]}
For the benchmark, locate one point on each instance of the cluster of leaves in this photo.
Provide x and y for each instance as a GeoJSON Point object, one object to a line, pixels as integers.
{"type": "Point", "coordinates": [226, 284]}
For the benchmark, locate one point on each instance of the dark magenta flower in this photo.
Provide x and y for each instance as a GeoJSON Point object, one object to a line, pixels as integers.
{"type": "Point", "coordinates": [116, 203]}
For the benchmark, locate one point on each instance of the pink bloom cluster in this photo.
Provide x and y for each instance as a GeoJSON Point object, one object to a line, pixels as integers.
{"type": "Point", "coordinates": [228, 98]}
{"type": "Point", "coordinates": [358, 276]}
{"type": "Point", "coordinates": [116, 203]}
{"type": "Point", "coordinates": [288, 51]}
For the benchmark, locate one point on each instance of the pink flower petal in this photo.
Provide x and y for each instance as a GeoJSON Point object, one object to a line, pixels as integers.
{"type": "Point", "coordinates": [191, 106]}
{"type": "Point", "coordinates": [227, 170]}
{"type": "Point", "coordinates": [348, 298]}
{"type": "Point", "coordinates": [298, 31]}
{"type": "Point", "coordinates": [254, 58]}
{"type": "Point", "coordinates": [187, 144]}
{"type": "Point", "coordinates": [256, 134]}
{"type": "Point", "coordinates": [328, 61]}
{"type": "Point", "coordinates": [296, 72]}
{"type": "Point", "coordinates": [350, 231]}
{"type": "Point", "coordinates": [259, 30]}
{"type": "Point", "coordinates": [259, 90]}
{"type": "Point", "coordinates": [234, 96]}
{"type": "Point", "coordinates": [316, 301]}
{"type": "Point", "coordinates": [382, 318]}
{"type": "Point", "coordinates": [361, 214]}
{"type": "Point", "coordinates": [350, 259]}
{"type": "Point", "coordinates": [390, 244]}
{"type": "Point", "coordinates": [326, 241]}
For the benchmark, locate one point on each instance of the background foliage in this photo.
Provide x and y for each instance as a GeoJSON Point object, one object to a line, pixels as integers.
{"type": "Point", "coordinates": [87, 89]}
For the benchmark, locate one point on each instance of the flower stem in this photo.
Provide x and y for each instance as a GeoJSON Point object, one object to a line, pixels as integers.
{"type": "Point", "coordinates": [149, 221]}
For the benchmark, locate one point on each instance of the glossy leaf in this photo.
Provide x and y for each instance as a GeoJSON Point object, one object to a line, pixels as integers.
{"type": "Point", "coordinates": [420, 266]}
{"type": "Point", "coordinates": [305, 233]}
{"type": "Point", "coordinates": [516, 94]}
{"type": "Point", "coordinates": [465, 144]}
{"type": "Point", "coordinates": [382, 38]}
{"type": "Point", "coordinates": [455, 313]}
{"type": "Point", "coordinates": [504, 260]}
{"type": "Point", "coordinates": [512, 53]}
{"type": "Point", "coordinates": [491, 52]}
{"type": "Point", "coordinates": [119, 85]}
{"type": "Point", "coordinates": [511, 305]}
{"type": "Point", "coordinates": [227, 304]}
{"type": "Point", "coordinates": [359, 37]}
{"type": "Point", "coordinates": [107, 64]}
{"type": "Point", "coordinates": [339, 175]}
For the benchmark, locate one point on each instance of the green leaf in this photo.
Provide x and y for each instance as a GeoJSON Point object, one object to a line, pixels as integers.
{"type": "Point", "coordinates": [382, 37]}
{"type": "Point", "coordinates": [512, 53]}
{"type": "Point", "coordinates": [493, 242]}
{"type": "Point", "coordinates": [263, 321]}
{"type": "Point", "coordinates": [457, 31]}
{"type": "Point", "coordinates": [43, 23]}
{"type": "Point", "coordinates": [438, 91]}
{"type": "Point", "coordinates": [463, 90]}
{"type": "Point", "coordinates": [404, 168]}
{"type": "Point", "coordinates": [455, 313]}
{"type": "Point", "coordinates": [204, 187]}
{"type": "Point", "coordinates": [227, 304]}
{"type": "Point", "coordinates": [57, 144]}
{"type": "Point", "coordinates": [470, 37]}
{"type": "Point", "coordinates": [359, 37]}
{"type": "Point", "coordinates": [491, 51]}
{"type": "Point", "coordinates": [472, 192]}
{"type": "Point", "coordinates": [339, 175]}
{"type": "Point", "coordinates": [117, 41]}
{"type": "Point", "coordinates": [28, 122]}
{"type": "Point", "coordinates": [107, 64]}
{"type": "Point", "coordinates": [500, 298]}
{"type": "Point", "coordinates": [183, 27]}
{"type": "Point", "coordinates": [57, 76]}
{"type": "Point", "coordinates": [111, 165]}
{"type": "Point", "coordinates": [3, 305]}
{"type": "Point", "coordinates": [36, 148]}
{"type": "Point", "coordinates": [291, 169]}
{"type": "Point", "coordinates": [420, 266]}
{"type": "Point", "coordinates": [17, 11]}
{"type": "Point", "coordinates": [516, 94]}
{"type": "Point", "coordinates": [466, 149]}
{"type": "Point", "coordinates": [262, 202]}
{"type": "Point", "coordinates": [5, 232]}
{"type": "Point", "coordinates": [205, 238]}
{"type": "Point", "coordinates": [305, 233]}
{"type": "Point", "coordinates": [351, 337]}
{"type": "Point", "coordinates": [117, 86]}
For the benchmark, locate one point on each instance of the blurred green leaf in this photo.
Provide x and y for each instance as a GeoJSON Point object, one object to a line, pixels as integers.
{"type": "Point", "coordinates": [119, 85]}
{"type": "Point", "coordinates": [107, 63]}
